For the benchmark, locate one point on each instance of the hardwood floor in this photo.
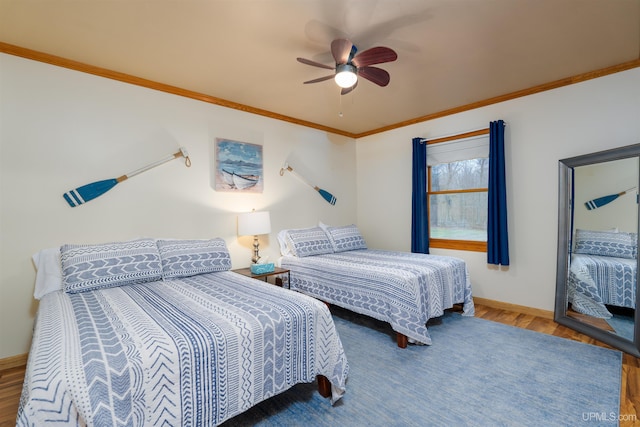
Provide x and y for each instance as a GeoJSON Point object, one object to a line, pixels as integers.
{"type": "Point", "coordinates": [10, 389]}
{"type": "Point", "coordinates": [11, 379]}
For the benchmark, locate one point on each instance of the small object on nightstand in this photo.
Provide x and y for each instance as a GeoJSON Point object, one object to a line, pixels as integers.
{"type": "Point", "coordinates": [262, 268]}
{"type": "Point", "coordinates": [277, 271]}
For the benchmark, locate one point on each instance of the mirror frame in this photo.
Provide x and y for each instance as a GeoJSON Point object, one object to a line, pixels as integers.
{"type": "Point", "coordinates": [565, 215]}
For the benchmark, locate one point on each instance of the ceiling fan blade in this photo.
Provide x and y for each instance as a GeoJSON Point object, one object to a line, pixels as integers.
{"type": "Point", "coordinates": [320, 79]}
{"type": "Point", "coordinates": [375, 55]}
{"type": "Point", "coordinates": [314, 63]}
{"type": "Point", "coordinates": [375, 75]}
{"type": "Point", "coordinates": [346, 90]}
{"type": "Point", "coordinates": [341, 49]}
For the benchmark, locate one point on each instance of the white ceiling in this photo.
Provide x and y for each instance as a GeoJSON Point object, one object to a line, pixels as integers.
{"type": "Point", "coordinates": [451, 53]}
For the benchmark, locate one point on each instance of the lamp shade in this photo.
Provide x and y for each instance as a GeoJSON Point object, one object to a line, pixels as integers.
{"type": "Point", "coordinates": [254, 223]}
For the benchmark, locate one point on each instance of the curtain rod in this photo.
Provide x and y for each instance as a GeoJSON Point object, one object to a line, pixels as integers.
{"type": "Point", "coordinates": [453, 137]}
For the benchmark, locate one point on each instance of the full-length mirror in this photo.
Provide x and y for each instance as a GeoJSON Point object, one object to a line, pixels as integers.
{"type": "Point", "coordinates": [597, 275]}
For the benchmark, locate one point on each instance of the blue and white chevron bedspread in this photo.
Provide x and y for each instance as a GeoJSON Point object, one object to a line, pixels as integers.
{"type": "Point", "coordinates": [185, 352]}
{"type": "Point", "coordinates": [598, 280]}
{"type": "Point", "coordinates": [402, 288]}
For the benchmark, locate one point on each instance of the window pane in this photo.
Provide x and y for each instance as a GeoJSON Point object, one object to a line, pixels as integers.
{"type": "Point", "coordinates": [458, 216]}
{"type": "Point", "coordinates": [461, 175]}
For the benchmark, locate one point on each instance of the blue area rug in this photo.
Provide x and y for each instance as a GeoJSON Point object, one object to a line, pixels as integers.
{"type": "Point", "coordinates": [476, 373]}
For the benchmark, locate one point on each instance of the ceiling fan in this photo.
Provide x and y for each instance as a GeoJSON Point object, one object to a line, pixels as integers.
{"type": "Point", "coordinates": [350, 65]}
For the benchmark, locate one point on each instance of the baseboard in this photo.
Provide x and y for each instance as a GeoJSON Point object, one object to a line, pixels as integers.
{"type": "Point", "coordinates": [13, 361]}
{"type": "Point", "coordinates": [546, 314]}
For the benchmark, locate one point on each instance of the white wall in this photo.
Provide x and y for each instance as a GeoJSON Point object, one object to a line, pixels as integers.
{"type": "Point", "coordinates": [60, 129]}
{"type": "Point", "coordinates": [602, 179]}
{"type": "Point", "coordinates": [542, 129]}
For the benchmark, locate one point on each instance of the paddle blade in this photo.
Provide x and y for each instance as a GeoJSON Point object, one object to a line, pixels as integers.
{"type": "Point", "coordinates": [375, 75]}
{"type": "Point", "coordinates": [375, 55]}
{"type": "Point", "coordinates": [89, 192]}
{"type": "Point", "coordinates": [327, 196]}
{"type": "Point", "coordinates": [314, 63]}
{"type": "Point", "coordinates": [600, 201]}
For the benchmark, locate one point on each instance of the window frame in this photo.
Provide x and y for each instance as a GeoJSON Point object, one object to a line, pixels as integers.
{"type": "Point", "coordinates": [464, 245]}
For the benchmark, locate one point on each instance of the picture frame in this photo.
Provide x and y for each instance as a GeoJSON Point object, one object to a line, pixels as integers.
{"type": "Point", "coordinates": [238, 166]}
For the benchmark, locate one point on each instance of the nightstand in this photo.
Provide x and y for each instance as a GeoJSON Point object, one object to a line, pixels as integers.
{"type": "Point", "coordinates": [247, 272]}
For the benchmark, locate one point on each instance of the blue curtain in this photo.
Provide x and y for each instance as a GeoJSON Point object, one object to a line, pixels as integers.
{"type": "Point", "coordinates": [497, 230]}
{"type": "Point", "coordinates": [419, 218]}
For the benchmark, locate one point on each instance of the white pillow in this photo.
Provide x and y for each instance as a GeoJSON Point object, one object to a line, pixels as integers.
{"type": "Point", "coordinates": [324, 226]}
{"type": "Point", "coordinates": [48, 272]}
{"type": "Point", "coordinates": [285, 250]}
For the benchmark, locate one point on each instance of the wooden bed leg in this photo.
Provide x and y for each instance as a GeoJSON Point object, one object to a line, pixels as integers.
{"type": "Point", "coordinates": [324, 386]}
{"type": "Point", "coordinates": [402, 340]}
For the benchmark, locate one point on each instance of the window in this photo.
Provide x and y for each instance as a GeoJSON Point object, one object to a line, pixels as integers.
{"type": "Point", "coordinates": [458, 176]}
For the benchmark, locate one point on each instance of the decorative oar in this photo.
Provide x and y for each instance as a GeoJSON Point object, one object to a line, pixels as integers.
{"type": "Point", "coordinates": [325, 194]}
{"type": "Point", "coordinates": [88, 192]}
{"type": "Point", "coordinates": [601, 201]}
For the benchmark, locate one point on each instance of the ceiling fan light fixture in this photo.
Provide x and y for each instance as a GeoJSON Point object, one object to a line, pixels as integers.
{"type": "Point", "coordinates": [346, 75]}
{"type": "Point", "coordinates": [350, 65]}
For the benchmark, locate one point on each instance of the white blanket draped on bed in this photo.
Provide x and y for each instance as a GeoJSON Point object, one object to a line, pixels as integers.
{"type": "Point", "coordinates": [402, 288]}
{"type": "Point", "coordinates": [191, 351]}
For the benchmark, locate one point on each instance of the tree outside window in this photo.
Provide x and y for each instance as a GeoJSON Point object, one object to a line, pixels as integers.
{"type": "Point", "coordinates": [457, 201]}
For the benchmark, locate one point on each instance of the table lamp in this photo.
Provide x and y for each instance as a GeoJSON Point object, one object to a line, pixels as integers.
{"type": "Point", "coordinates": [253, 224]}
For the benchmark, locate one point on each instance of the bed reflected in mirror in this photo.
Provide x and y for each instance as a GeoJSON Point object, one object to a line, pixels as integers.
{"type": "Point", "coordinates": [597, 274]}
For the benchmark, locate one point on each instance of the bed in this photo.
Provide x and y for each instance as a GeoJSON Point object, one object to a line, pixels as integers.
{"type": "Point", "coordinates": [603, 272]}
{"type": "Point", "coordinates": [152, 332]}
{"type": "Point", "coordinates": [403, 289]}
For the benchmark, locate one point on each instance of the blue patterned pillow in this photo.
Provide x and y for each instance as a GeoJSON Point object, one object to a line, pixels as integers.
{"type": "Point", "coordinates": [88, 267]}
{"type": "Point", "coordinates": [606, 243]}
{"type": "Point", "coordinates": [346, 238]}
{"type": "Point", "coordinates": [309, 241]}
{"type": "Point", "coordinates": [183, 258]}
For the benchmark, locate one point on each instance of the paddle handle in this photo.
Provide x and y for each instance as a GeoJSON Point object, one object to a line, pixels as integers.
{"type": "Point", "coordinates": [182, 153]}
{"type": "Point", "coordinates": [625, 191]}
{"type": "Point", "coordinates": [325, 194]}
{"type": "Point", "coordinates": [301, 178]}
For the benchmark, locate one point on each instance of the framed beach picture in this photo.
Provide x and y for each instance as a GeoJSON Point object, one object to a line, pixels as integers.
{"type": "Point", "coordinates": [238, 166]}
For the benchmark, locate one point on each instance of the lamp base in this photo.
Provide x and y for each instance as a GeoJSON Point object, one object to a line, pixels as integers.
{"type": "Point", "coordinates": [256, 256]}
